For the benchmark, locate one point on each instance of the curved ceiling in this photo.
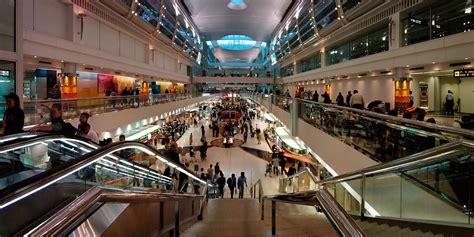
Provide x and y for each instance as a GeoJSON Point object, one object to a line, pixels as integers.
{"type": "Point", "coordinates": [258, 20]}
{"type": "Point", "coordinates": [215, 19]}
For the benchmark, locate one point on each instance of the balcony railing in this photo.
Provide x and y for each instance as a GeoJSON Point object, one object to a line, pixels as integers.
{"type": "Point", "coordinates": [37, 112]}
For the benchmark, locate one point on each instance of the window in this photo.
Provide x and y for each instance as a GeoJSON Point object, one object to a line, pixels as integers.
{"type": "Point", "coordinates": [7, 80]}
{"type": "Point", "coordinates": [7, 25]}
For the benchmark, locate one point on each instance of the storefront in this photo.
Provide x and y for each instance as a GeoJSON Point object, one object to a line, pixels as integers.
{"type": "Point", "coordinates": [430, 90]}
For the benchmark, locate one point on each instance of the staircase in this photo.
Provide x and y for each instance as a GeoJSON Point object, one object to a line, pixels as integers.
{"type": "Point", "coordinates": [241, 217]}
{"type": "Point", "coordinates": [373, 229]}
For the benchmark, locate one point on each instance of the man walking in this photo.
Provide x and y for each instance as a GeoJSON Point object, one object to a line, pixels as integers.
{"type": "Point", "coordinates": [240, 183]}
{"type": "Point", "coordinates": [232, 183]}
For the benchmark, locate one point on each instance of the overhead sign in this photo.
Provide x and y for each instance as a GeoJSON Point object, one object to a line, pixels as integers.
{"type": "Point", "coordinates": [463, 73]}
{"type": "Point", "coordinates": [4, 73]}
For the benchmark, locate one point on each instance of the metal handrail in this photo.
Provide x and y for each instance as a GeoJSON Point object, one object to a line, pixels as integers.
{"type": "Point", "coordinates": [428, 126]}
{"type": "Point", "coordinates": [321, 200]}
{"type": "Point", "coordinates": [413, 161]}
{"type": "Point", "coordinates": [32, 184]}
{"type": "Point", "coordinates": [60, 221]}
{"type": "Point", "coordinates": [103, 97]}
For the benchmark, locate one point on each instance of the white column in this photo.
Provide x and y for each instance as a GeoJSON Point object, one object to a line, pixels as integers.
{"type": "Point", "coordinates": [394, 31]}
{"type": "Point", "coordinates": [19, 50]}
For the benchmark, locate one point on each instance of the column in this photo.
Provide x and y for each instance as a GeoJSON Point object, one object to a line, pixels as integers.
{"type": "Point", "coordinates": [394, 31]}
{"type": "Point", "coordinates": [294, 111]}
{"type": "Point", "coordinates": [70, 68]}
{"type": "Point", "coordinates": [19, 68]}
{"type": "Point", "coordinates": [322, 53]}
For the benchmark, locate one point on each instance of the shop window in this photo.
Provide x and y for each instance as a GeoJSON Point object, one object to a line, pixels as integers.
{"type": "Point", "coordinates": [7, 26]}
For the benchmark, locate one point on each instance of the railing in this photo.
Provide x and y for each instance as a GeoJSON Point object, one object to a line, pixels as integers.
{"type": "Point", "coordinates": [431, 187]}
{"type": "Point", "coordinates": [378, 135]}
{"type": "Point", "coordinates": [61, 222]}
{"type": "Point", "coordinates": [301, 181]}
{"type": "Point", "coordinates": [92, 166]}
{"type": "Point", "coordinates": [37, 111]}
{"type": "Point", "coordinates": [253, 191]}
{"type": "Point", "coordinates": [322, 201]}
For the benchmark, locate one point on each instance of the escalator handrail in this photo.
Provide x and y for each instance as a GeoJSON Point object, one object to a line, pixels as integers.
{"type": "Point", "coordinates": [58, 222]}
{"type": "Point", "coordinates": [12, 144]}
{"type": "Point", "coordinates": [428, 126]}
{"type": "Point", "coordinates": [409, 162]}
{"type": "Point", "coordinates": [33, 184]}
{"type": "Point", "coordinates": [339, 218]}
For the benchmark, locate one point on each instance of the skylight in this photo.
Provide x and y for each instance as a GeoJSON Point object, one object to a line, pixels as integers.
{"type": "Point", "coordinates": [236, 42]}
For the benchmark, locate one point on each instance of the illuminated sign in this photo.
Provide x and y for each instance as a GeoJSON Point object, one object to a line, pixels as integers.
{"type": "Point", "coordinates": [463, 73]}
{"type": "Point", "coordinates": [4, 73]}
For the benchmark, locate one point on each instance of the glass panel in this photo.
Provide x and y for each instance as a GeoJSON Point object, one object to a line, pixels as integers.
{"type": "Point", "coordinates": [359, 47]}
{"type": "Point", "coordinates": [378, 41]}
{"type": "Point", "coordinates": [345, 193]}
{"type": "Point", "coordinates": [381, 140]}
{"type": "Point", "coordinates": [7, 82]}
{"type": "Point", "coordinates": [339, 54]}
{"type": "Point", "coordinates": [454, 17]}
{"type": "Point", "coordinates": [7, 25]}
{"type": "Point", "coordinates": [382, 196]}
{"type": "Point", "coordinates": [27, 161]}
{"type": "Point", "coordinates": [416, 28]}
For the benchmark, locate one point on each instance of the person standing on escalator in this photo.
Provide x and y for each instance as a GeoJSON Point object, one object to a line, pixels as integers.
{"type": "Point", "coordinates": [221, 184]}
{"type": "Point", "coordinates": [14, 117]}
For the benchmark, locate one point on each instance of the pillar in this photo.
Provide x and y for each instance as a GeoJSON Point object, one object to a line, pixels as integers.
{"type": "Point", "coordinates": [394, 31]}
{"type": "Point", "coordinates": [294, 111]}
{"type": "Point", "coordinates": [19, 67]}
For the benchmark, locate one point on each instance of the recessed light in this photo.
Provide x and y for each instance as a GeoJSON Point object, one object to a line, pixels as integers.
{"type": "Point", "coordinates": [35, 56]}
{"type": "Point", "coordinates": [466, 58]}
{"type": "Point", "coordinates": [62, 61]}
{"type": "Point", "coordinates": [433, 62]}
{"type": "Point", "coordinates": [408, 65]}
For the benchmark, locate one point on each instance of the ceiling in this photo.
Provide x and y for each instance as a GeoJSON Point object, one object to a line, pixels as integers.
{"type": "Point", "coordinates": [258, 20]}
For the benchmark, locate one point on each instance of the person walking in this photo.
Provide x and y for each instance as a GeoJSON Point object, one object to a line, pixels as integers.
{"type": "Point", "coordinates": [449, 104]}
{"type": "Point", "coordinates": [357, 101]}
{"type": "Point", "coordinates": [221, 185]}
{"type": "Point", "coordinates": [412, 99]}
{"type": "Point", "coordinates": [217, 169]}
{"type": "Point", "coordinates": [210, 173]}
{"type": "Point", "coordinates": [275, 164]}
{"type": "Point", "coordinates": [14, 117]}
{"type": "Point", "coordinates": [315, 96]}
{"type": "Point", "coordinates": [283, 165]}
{"type": "Point", "coordinates": [232, 183]}
{"type": "Point", "coordinates": [340, 99]}
{"type": "Point", "coordinates": [348, 98]}
{"type": "Point", "coordinates": [202, 130]}
{"type": "Point", "coordinates": [258, 134]}
{"type": "Point", "coordinates": [240, 184]}
{"type": "Point", "coordinates": [203, 150]}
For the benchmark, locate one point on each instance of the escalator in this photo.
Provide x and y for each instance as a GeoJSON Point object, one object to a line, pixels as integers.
{"type": "Point", "coordinates": [427, 194]}
{"type": "Point", "coordinates": [42, 174]}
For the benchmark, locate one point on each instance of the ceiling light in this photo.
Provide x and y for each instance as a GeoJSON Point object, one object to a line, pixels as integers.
{"type": "Point", "coordinates": [237, 5]}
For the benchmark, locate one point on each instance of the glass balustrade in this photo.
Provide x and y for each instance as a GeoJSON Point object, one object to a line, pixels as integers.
{"type": "Point", "coordinates": [37, 112]}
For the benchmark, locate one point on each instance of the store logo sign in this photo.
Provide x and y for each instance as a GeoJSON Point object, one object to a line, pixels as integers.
{"type": "Point", "coordinates": [4, 73]}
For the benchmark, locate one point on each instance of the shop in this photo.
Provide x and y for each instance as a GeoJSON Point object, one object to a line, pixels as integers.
{"type": "Point", "coordinates": [430, 90]}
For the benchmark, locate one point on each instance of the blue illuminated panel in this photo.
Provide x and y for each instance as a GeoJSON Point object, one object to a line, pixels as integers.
{"type": "Point", "coordinates": [236, 42]}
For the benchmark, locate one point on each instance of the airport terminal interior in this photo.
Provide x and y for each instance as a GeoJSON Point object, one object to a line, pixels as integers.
{"type": "Point", "coordinates": [238, 118]}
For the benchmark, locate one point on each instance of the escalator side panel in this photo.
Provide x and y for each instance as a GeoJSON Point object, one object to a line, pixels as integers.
{"type": "Point", "coordinates": [98, 222]}
{"type": "Point", "coordinates": [138, 219]}
{"type": "Point", "coordinates": [20, 214]}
